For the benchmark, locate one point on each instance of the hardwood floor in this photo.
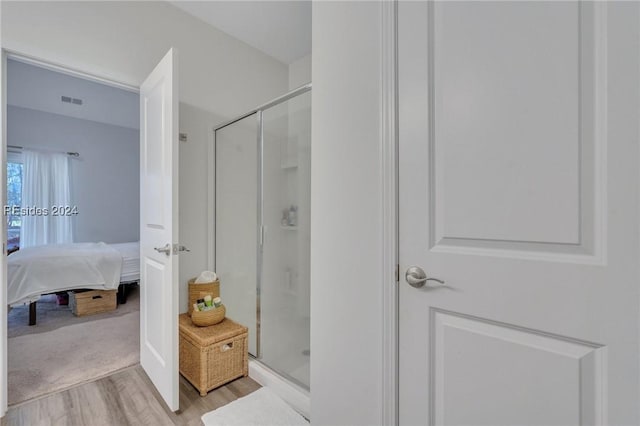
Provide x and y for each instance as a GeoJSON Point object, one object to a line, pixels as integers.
{"type": "Point", "coordinates": [123, 398]}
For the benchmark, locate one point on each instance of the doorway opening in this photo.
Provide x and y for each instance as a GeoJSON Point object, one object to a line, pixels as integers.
{"type": "Point", "coordinates": [73, 218]}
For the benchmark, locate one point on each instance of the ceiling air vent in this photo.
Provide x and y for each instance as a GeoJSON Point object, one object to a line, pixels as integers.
{"type": "Point", "coordinates": [70, 100]}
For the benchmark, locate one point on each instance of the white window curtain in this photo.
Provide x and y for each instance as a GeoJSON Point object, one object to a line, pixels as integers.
{"type": "Point", "coordinates": [45, 183]}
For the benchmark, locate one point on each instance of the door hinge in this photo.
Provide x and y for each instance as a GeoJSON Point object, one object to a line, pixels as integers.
{"type": "Point", "coordinates": [177, 248]}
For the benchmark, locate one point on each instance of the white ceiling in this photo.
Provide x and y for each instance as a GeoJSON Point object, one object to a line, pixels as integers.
{"type": "Point", "coordinates": [32, 87]}
{"type": "Point", "coordinates": [281, 29]}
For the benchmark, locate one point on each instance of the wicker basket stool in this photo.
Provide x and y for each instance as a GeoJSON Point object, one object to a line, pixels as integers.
{"type": "Point", "coordinates": [212, 356]}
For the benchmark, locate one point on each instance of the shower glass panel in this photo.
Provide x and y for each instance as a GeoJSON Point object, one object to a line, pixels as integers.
{"type": "Point", "coordinates": [236, 221]}
{"type": "Point", "coordinates": [284, 285]}
{"type": "Point", "coordinates": [263, 181]}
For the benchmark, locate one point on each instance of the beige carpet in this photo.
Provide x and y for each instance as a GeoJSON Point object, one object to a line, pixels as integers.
{"type": "Point", "coordinates": [69, 350]}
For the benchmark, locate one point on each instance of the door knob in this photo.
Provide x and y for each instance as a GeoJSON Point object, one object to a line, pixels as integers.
{"type": "Point", "coordinates": [416, 277]}
{"type": "Point", "coordinates": [166, 249]}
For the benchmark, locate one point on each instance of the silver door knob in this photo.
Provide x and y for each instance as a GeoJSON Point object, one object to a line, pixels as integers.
{"type": "Point", "coordinates": [416, 277]}
{"type": "Point", "coordinates": [166, 249]}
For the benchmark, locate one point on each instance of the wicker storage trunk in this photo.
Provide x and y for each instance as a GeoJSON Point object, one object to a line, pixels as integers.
{"type": "Point", "coordinates": [212, 356]}
{"type": "Point", "coordinates": [92, 302]}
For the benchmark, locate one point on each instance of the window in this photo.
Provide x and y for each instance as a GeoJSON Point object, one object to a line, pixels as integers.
{"type": "Point", "coordinates": [14, 200]}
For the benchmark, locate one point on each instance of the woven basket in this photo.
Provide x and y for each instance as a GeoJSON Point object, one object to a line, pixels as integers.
{"type": "Point", "coordinates": [210, 317]}
{"type": "Point", "coordinates": [92, 302]}
{"type": "Point", "coordinates": [199, 291]}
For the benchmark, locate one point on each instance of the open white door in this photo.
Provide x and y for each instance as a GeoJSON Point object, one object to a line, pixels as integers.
{"type": "Point", "coordinates": [519, 183]}
{"type": "Point", "coordinates": [159, 228]}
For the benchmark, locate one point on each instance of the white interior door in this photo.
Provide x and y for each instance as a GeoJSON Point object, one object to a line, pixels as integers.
{"type": "Point", "coordinates": [159, 228]}
{"type": "Point", "coordinates": [519, 188]}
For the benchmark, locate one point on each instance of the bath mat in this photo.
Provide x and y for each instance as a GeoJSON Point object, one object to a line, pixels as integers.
{"type": "Point", "coordinates": [259, 408]}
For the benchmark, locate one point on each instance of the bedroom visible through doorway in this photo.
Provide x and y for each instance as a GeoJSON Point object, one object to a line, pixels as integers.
{"type": "Point", "coordinates": [14, 197]}
{"type": "Point", "coordinates": [73, 221]}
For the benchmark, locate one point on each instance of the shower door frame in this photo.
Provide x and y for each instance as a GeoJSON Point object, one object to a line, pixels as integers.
{"type": "Point", "coordinates": [212, 205]}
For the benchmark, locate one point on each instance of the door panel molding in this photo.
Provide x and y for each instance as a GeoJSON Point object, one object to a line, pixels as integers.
{"type": "Point", "coordinates": [567, 366]}
{"type": "Point", "coordinates": [154, 341]}
{"type": "Point", "coordinates": [154, 160]}
{"type": "Point", "coordinates": [588, 245]}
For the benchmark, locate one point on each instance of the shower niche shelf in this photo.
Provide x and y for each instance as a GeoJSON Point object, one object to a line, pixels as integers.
{"type": "Point", "coordinates": [289, 166]}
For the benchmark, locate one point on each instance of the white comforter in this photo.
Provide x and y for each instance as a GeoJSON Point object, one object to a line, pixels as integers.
{"type": "Point", "coordinates": [39, 270]}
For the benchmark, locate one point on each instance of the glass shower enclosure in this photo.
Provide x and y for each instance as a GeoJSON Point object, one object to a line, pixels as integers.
{"type": "Point", "coordinates": [262, 228]}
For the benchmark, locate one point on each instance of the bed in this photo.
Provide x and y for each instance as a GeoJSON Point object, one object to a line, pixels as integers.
{"type": "Point", "coordinates": [130, 253]}
{"type": "Point", "coordinates": [35, 271]}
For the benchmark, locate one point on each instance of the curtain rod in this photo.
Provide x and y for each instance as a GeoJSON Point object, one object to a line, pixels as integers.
{"type": "Point", "coordinates": [72, 154]}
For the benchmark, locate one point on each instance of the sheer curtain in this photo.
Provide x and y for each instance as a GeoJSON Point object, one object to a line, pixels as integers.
{"type": "Point", "coordinates": [45, 183]}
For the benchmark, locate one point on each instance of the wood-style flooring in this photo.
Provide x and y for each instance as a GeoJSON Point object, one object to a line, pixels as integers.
{"type": "Point", "coordinates": [123, 398]}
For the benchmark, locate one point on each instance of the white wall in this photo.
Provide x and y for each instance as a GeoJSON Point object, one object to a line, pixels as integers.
{"type": "Point", "coordinates": [125, 40]}
{"type": "Point", "coordinates": [194, 164]}
{"type": "Point", "coordinates": [346, 220]}
{"type": "Point", "coordinates": [105, 179]}
{"type": "Point", "coordinates": [300, 72]}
